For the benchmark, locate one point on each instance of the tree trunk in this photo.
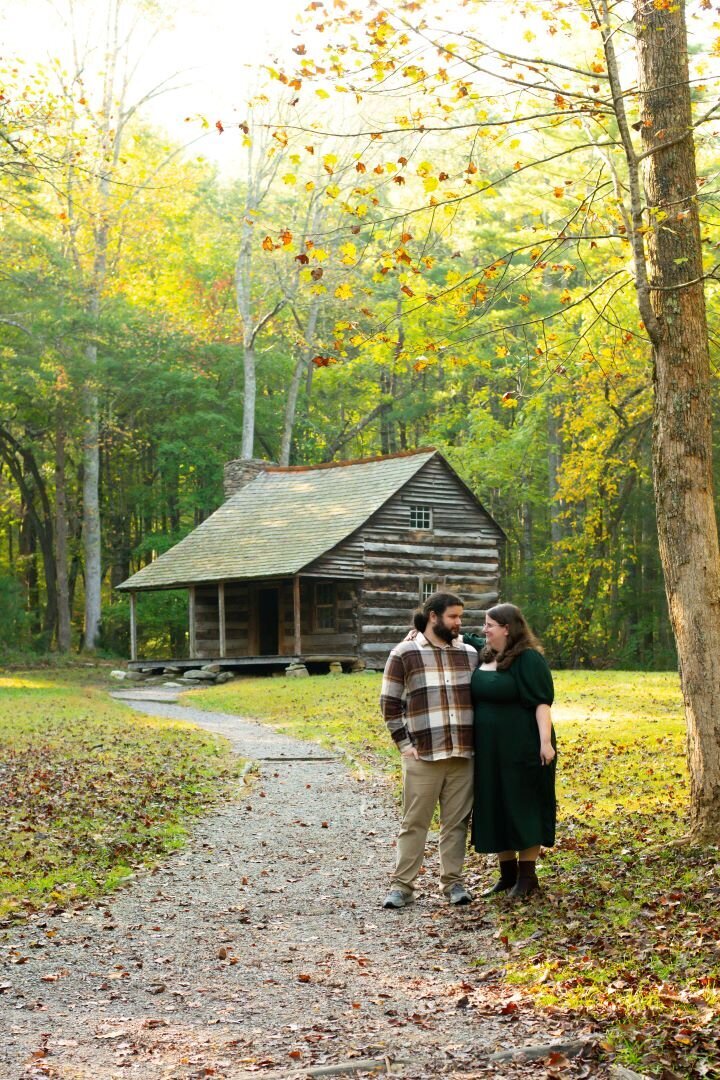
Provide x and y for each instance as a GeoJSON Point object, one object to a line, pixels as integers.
{"type": "Point", "coordinates": [91, 505]}
{"type": "Point", "coordinates": [554, 459]}
{"type": "Point", "coordinates": [28, 560]}
{"type": "Point", "coordinates": [301, 367]}
{"type": "Point", "coordinates": [64, 638]}
{"type": "Point", "coordinates": [682, 430]}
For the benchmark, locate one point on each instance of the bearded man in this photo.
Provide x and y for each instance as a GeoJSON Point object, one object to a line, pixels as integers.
{"type": "Point", "coordinates": [426, 704]}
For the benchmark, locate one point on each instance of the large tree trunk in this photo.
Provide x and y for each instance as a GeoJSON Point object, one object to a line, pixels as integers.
{"type": "Point", "coordinates": [682, 432]}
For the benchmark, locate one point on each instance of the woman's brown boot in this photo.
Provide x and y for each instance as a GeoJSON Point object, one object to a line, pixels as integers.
{"type": "Point", "coordinates": [508, 877]}
{"type": "Point", "coordinates": [527, 882]}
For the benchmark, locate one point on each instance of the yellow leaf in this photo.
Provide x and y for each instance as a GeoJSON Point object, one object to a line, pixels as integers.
{"type": "Point", "coordinates": [344, 292]}
{"type": "Point", "coordinates": [289, 179]}
{"type": "Point", "coordinates": [322, 93]}
{"type": "Point", "coordinates": [348, 253]}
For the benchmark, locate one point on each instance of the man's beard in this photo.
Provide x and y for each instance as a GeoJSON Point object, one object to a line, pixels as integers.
{"type": "Point", "coordinates": [445, 633]}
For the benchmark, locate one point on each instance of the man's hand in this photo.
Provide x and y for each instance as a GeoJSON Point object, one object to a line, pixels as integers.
{"type": "Point", "coordinates": [410, 751]}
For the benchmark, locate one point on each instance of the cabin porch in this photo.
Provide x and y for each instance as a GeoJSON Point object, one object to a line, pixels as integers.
{"type": "Point", "coordinates": [264, 623]}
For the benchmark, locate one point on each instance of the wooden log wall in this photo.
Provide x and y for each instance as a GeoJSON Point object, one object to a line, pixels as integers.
{"type": "Point", "coordinates": [237, 623]}
{"type": "Point", "coordinates": [459, 553]}
{"type": "Point", "coordinates": [339, 642]}
{"type": "Point", "coordinates": [207, 622]}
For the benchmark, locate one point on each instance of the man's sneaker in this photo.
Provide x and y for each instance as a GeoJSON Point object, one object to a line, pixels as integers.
{"type": "Point", "coordinates": [458, 894]}
{"type": "Point", "coordinates": [396, 898]}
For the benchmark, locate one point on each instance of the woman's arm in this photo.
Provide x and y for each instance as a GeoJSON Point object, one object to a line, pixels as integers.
{"type": "Point", "coordinates": [475, 640]}
{"type": "Point", "coordinates": [544, 723]}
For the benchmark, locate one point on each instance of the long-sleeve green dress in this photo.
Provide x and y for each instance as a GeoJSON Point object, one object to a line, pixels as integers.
{"type": "Point", "coordinates": [514, 805]}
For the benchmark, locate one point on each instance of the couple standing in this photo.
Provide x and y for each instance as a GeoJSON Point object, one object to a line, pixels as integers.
{"type": "Point", "coordinates": [471, 719]}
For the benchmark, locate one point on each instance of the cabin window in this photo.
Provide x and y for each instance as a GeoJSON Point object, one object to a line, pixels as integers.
{"type": "Point", "coordinates": [325, 614]}
{"type": "Point", "coordinates": [427, 588]}
{"type": "Point", "coordinates": [420, 517]}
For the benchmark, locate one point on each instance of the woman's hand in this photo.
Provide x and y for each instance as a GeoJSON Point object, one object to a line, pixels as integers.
{"type": "Point", "coordinates": [547, 752]}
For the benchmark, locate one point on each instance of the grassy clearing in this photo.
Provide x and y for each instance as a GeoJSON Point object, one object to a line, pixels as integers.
{"type": "Point", "coordinates": [90, 789]}
{"type": "Point", "coordinates": [627, 930]}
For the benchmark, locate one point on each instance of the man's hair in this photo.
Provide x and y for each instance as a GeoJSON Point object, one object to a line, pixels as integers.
{"type": "Point", "coordinates": [437, 602]}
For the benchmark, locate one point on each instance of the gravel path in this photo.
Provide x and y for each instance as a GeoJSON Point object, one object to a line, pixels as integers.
{"type": "Point", "coordinates": [261, 949]}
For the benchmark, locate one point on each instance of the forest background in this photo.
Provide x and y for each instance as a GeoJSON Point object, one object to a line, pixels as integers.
{"type": "Point", "coordinates": [397, 257]}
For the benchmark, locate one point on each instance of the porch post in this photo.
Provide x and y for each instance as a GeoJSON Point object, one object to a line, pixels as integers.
{"type": "Point", "coordinates": [133, 628]}
{"type": "Point", "coordinates": [192, 645]}
{"type": "Point", "coordinates": [296, 614]}
{"type": "Point", "coordinates": [221, 617]}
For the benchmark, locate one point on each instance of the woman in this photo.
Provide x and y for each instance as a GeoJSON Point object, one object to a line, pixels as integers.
{"type": "Point", "coordinates": [514, 807]}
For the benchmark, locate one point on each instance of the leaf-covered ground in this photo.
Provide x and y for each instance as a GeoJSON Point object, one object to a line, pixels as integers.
{"type": "Point", "coordinates": [88, 789]}
{"type": "Point", "coordinates": [627, 930]}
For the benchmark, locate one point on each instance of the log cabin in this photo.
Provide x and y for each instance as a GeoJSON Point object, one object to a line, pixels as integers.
{"type": "Point", "coordinates": [325, 563]}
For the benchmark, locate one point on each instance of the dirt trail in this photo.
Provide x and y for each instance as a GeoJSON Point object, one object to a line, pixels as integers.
{"type": "Point", "coordinates": [261, 949]}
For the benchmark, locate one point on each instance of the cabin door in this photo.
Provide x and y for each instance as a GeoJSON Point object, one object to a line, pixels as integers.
{"type": "Point", "coordinates": [268, 621]}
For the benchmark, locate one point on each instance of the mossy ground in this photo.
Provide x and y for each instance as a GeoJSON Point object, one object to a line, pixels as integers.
{"type": "Point", "coordinates": [89, 789]}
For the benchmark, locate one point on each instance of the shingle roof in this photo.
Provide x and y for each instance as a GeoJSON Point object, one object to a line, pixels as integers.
{"type": "Point", "coordinates": [280, 522]}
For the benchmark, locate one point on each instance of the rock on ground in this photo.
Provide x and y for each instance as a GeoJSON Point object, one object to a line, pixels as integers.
{"type": "Point", "coordinates": [261, 949]}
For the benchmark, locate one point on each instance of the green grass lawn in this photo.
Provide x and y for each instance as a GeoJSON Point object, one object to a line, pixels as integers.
{"type": "Point", "coordinates": [627, 929]}
{"type": "Point", "coordinates": [89, 789]}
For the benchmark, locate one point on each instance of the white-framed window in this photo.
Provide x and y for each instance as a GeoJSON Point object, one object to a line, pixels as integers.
{"type": "Point", "coordinates": [325, 607]}
{"type": "Point", "coordinates": [427, 588]}
{"type": "Point", "coordinates": [420, 516]}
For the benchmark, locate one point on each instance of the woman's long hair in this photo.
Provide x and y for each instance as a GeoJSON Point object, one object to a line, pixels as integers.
{"type": "Point", "coordinates": [520, 636]}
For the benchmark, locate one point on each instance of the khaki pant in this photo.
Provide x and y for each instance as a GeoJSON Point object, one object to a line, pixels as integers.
{"type": "Point", "coordinates": [425, 784]}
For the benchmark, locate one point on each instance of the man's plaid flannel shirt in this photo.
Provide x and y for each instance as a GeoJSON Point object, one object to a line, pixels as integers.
{"type": "Point", "coordinates": [425, 697]}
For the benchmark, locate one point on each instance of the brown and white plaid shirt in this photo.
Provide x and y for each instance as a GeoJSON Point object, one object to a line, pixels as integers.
{"type": "Point", "coordinates": [425, 697]}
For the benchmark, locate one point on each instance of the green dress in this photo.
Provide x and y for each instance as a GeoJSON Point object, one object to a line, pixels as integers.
{"type": "Point", "coordinates": [514, 806]}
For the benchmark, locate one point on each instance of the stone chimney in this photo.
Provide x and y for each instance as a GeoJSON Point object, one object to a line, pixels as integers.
{"type": "Point", "coordinates": [240, 472]}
